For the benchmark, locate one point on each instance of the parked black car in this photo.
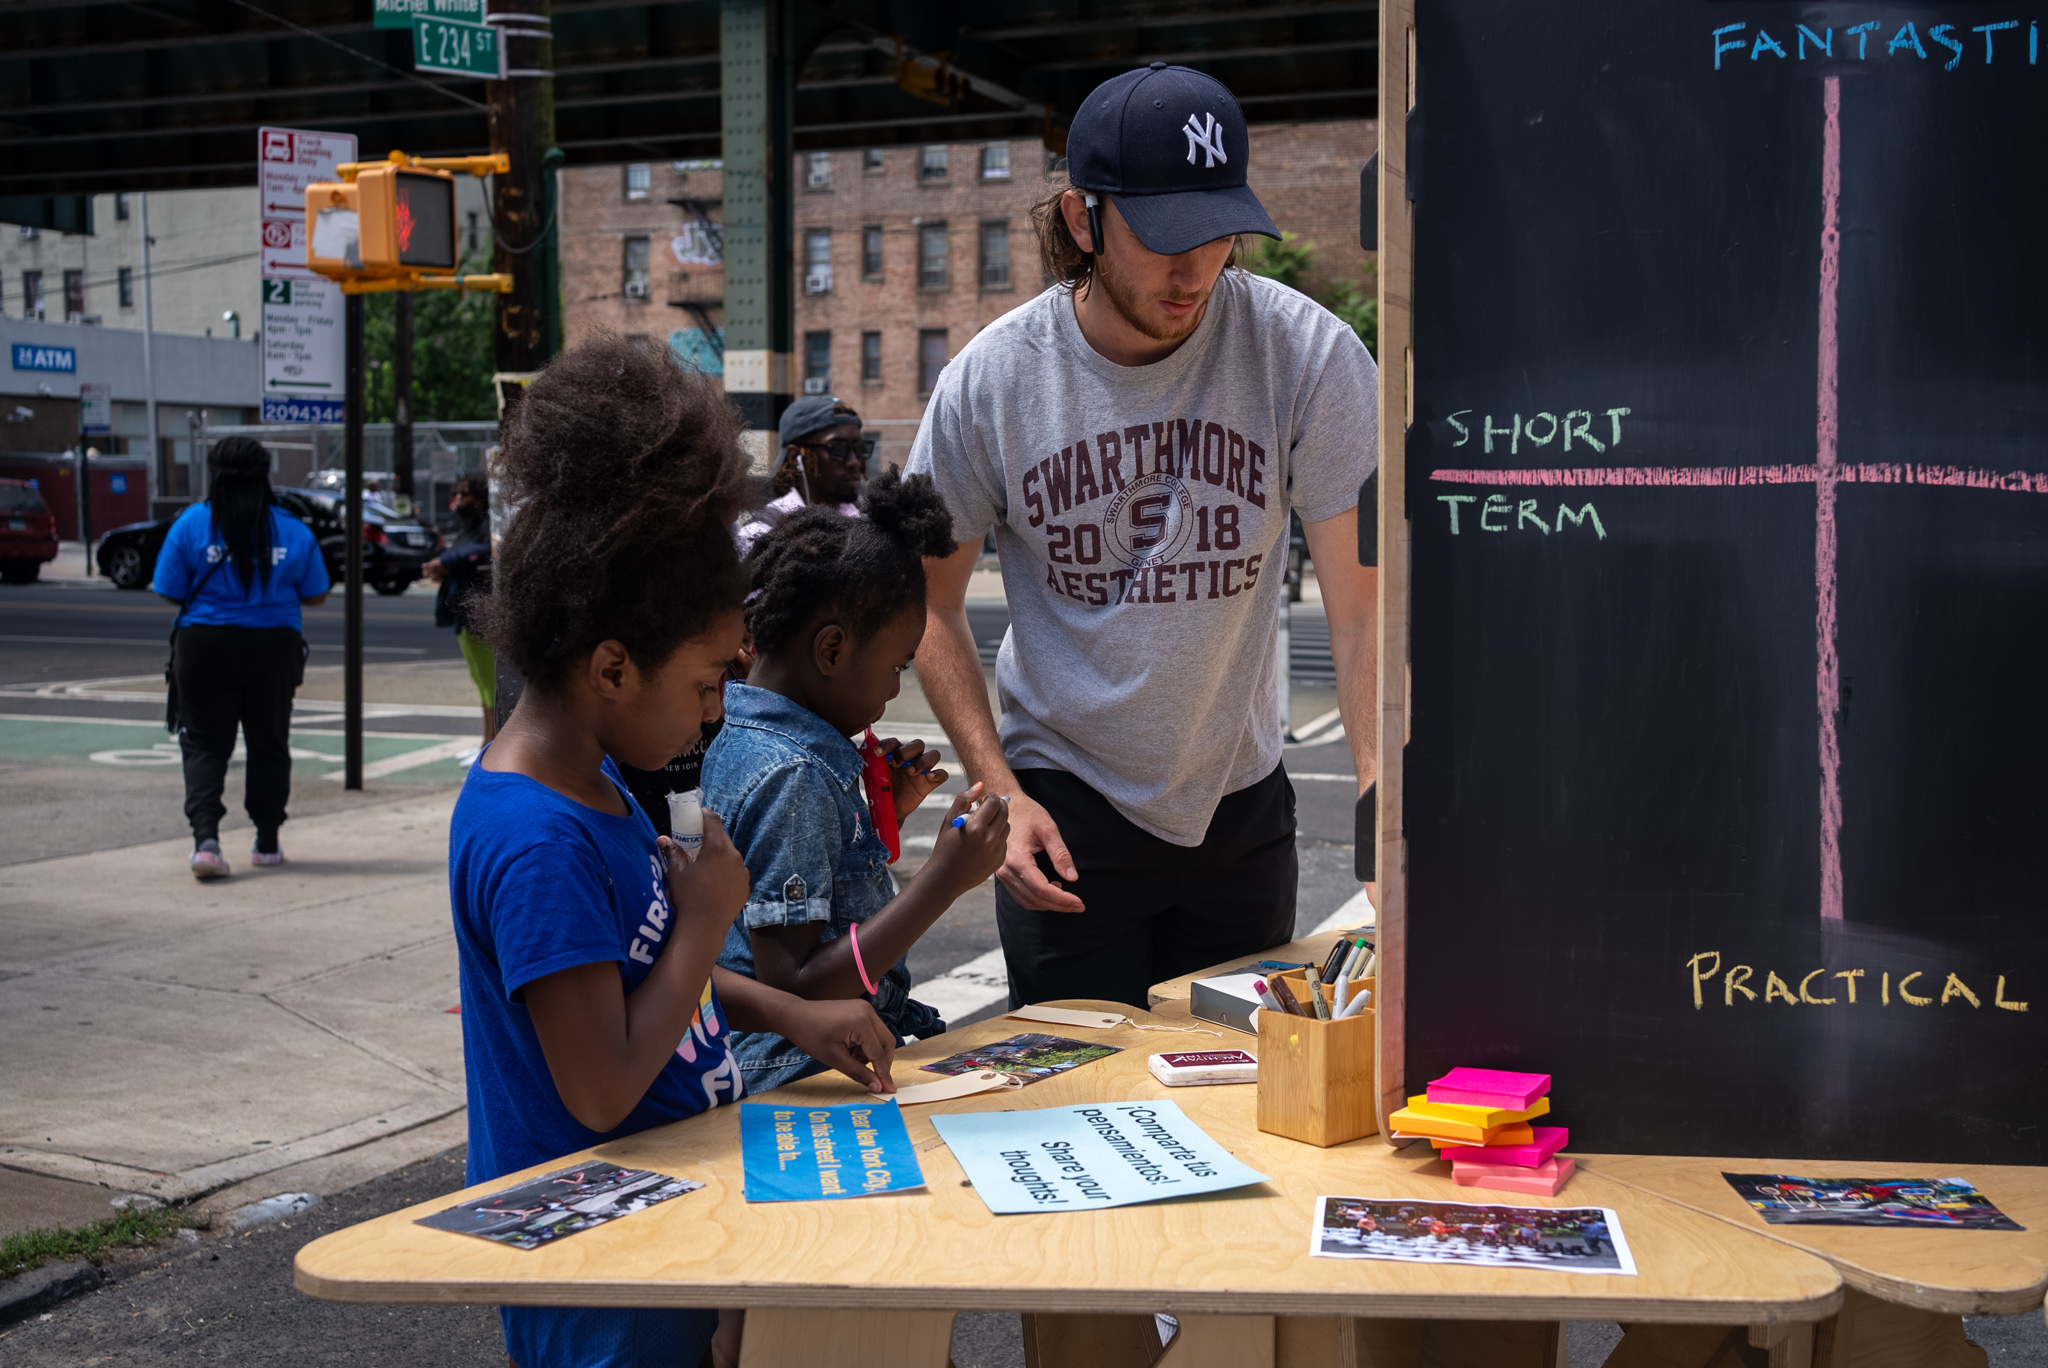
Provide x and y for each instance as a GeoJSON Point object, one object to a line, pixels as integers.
{"type": "Point", "coordinates": [394, 547]}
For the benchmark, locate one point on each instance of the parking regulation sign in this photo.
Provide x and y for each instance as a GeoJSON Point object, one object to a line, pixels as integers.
{"type": "Point", "coordinates": [287, 161]}
{"type": "Point", "coordinates": [304, 353]}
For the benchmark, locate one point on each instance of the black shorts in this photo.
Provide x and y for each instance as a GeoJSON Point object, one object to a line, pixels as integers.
{"type": "Point", "coordinates": [1155, 910]}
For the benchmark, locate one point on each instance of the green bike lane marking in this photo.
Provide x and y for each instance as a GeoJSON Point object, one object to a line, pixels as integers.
{"type": "Point", "coordinates": [116, 743]}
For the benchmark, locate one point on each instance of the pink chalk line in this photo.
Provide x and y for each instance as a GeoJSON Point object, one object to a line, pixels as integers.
{"type": "Point", "coordinates": [1906, 473]}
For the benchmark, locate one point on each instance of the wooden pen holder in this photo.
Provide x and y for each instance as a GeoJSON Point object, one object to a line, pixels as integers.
{"type": "Point", "coordinates": [1316, 1077]}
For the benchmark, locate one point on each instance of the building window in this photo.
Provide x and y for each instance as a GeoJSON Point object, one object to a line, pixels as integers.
{"type": "Point", "coordinates": [931, 165]}
{"type": "Point", "coordinates": [931, 256]}
{"type": "Point", "coordinates": [634, 283]}
{"type": "Point", "coordinates": [871, 160]}
{"type": "Point", "coordinates": [475, 231]}
{"type": "Point", "coordinates": [931, 359]}
{"type": "Point", "coordinates": [871, 251]}
{"type": "Point", "coordinates": [124, 281]}
{"type": "Point", "coordinates": [31, 294]}
{"type": "Point", "coordinates": [74, 294]}
{"type": "Point", "coordinates": [818, 176]}
{"type": "Point", "coordinates": [817, 261]}
{"type": "Point", "coordinates": [120, 208]}
{"type": "Point", "coordinates": [639, 181]}
{"type": "Point", "coordinates": [871, 358]}
{"type": "Point", "coordinates": [1055, 164]}
{"type": "Point", "coordinates": [995, 161]}
{"type": "Point", "coordinates": [817, 363]}
{"type": "Point", "coordinates": [995, 256]}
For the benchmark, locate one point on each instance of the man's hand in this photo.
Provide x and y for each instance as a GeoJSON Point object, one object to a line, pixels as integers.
{"type": "Point", "coordinates": [431, 571]}
{"type": "Point", "coordinates": [844, 1033]}
{"type": "Point", "coordinates": [1032, 829]}
{"type": "Point", "coordinates": [706, 894]}
{"type": "Point", "coordinates": [913, 772]}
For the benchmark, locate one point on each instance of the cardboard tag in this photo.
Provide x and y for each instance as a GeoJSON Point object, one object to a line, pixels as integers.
{"type": "Point", "coordinates": [959, 1085]}
{"type": "Point", "coordinates": [1066, 1016]}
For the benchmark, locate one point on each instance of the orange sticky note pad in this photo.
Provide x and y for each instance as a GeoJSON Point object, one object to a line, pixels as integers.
{"type": "Point", "coordinates": [1514, 1133]}
{"type": "Point", "coordinates": [1484, 1117]}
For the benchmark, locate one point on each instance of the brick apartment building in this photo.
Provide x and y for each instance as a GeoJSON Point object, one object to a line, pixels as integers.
{"type": "Point", "coordinates": [903, 253]}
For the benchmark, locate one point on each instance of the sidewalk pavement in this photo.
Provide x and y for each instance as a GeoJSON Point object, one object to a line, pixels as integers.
{"type": "Point", "coordinates": [287, 1029]}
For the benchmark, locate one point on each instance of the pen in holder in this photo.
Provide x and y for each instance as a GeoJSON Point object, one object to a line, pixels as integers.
{"type": "Point", "coordinates": [1316, 1078]}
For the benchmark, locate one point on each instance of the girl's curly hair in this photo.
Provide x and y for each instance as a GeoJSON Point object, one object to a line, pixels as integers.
{"type": "Point", "coordinates": [624, 474]}
{"type": "Point", "coordinates": [862, 572]}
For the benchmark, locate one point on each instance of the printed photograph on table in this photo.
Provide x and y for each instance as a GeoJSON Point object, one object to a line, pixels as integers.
{"type": "Point", "coordinates": [1030, 1056]}
{"type": "Point", "coordinates": [1942, 1203]}
{"type": "Point", "coordinates": [560, 1203]}
{"type": "Point", "coordinates": [1562, 1239]}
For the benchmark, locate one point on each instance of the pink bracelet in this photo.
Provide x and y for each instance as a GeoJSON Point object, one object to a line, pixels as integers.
{"type": "Point", "coordinates": [853, 934]}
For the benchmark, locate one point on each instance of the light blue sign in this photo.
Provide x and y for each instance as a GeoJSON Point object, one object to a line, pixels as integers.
{"type": "Point", "coordinates": [303, 410]}
{"type": "Point", "coordinates": [29, 357]}
{"type": "Point", "coordinates": [1079, 1158]}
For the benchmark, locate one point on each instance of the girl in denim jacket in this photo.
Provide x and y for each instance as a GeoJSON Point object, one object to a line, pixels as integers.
{"type": "Point", "coordinates": [836, 613]}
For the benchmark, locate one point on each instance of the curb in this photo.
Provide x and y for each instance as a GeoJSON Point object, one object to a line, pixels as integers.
{"type": "Point", "coordinates": [41, 1288]}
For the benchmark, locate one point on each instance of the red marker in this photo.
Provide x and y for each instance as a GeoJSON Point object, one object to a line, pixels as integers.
{"type": "Point", "coordinates": [881, 796]}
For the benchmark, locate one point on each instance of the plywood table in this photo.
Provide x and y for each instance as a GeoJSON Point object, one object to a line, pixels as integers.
{"type": "Point", "coordinates": [877, 1280]}
{"type": "Point", "coordinates": [1905, 1291]}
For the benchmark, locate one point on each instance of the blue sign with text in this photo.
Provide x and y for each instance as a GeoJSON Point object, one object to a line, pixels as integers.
{"type": "Point", "coordinates": [29, 357]}
{"type": "Point", "coordinates": [302, 410]}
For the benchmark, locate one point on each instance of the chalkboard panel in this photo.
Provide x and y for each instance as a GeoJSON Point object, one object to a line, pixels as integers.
{"type": "Point", "coordinates": [1727, 784]}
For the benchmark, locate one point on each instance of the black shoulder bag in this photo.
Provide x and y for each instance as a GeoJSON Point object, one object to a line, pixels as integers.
{"type": "Point", "coordinates": [171, 658]}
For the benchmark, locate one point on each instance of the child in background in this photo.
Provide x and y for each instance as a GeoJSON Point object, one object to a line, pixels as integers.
{"type": "Point", "coordinates": [591, 1007]}
{"type": "Point", "coordinates": [836, 614]}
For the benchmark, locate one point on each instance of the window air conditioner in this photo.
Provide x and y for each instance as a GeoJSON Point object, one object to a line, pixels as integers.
{"type": "Point", "coordinates": [819, 180]}
{"type": "Point", "coordinates": [818, 384]}
{"type": "Point", "coordinates": [818, 281]}
{"type": "Point", "coordinates": [636, 289]}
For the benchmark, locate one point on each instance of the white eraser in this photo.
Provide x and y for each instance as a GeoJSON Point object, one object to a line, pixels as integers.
{"type": "Point", "coordinates": [1184, 1068]}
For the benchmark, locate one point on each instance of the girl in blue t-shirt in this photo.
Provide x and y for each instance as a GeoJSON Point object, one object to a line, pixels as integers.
{"type": "Point", "coordinates": [587, 944]}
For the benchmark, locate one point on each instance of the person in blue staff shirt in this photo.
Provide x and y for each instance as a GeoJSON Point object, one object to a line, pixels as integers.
{"type": "Point", "coordinates": [239, 567]}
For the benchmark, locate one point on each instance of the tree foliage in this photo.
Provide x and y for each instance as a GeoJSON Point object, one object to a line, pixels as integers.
{"type": "Point", "coordinates": [453, 354]}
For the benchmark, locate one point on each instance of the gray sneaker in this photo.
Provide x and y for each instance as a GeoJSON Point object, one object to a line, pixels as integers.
{"type": "Point", "coordinates": [208, 862]}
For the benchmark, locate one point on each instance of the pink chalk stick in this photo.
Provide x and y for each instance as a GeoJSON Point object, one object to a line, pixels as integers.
{"type": "Point", "coordinates": [1549, 1140]}
{"type": "Point", "coordinates": [1489, 1088]}
{"type": "Point", "coordinates": [1546, 1181]}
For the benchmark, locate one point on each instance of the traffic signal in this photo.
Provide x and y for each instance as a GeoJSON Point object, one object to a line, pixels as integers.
{"type": "Point", "coordinates": [388, 221]}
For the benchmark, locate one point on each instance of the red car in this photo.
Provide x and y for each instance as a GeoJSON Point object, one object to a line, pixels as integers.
{"type": "Point", "coordinates": [28, 532]}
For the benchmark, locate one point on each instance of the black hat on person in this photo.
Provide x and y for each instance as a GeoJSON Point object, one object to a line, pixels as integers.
{"type": "Point", "coordinates": [813, 413]}
{"type": "Point", "coordinates": [1169, 145]}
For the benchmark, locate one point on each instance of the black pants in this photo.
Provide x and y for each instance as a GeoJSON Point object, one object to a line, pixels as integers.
{"type": "Point", "coordinates": [1155, 910]}
{"type": "Point", "coordinates": [231, 677]}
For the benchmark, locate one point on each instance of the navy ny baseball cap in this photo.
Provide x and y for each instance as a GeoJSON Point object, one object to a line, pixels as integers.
{"type": "Point", "coordinates": [1169, 145]}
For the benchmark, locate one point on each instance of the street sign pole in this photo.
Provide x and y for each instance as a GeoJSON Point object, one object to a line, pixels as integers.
{"type": "Point", "coordinates": [401, 397]}
{"type": "Point", "coordinates": [352, 556]}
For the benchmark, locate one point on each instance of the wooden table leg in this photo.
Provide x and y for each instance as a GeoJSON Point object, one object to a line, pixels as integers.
{"type": "Point", "coordinates": [1787, 1346]}
{"type": "Point", "coordinates": [1683, 1346]}
{"type": "Point", "coordinates": [1221, 1342]}
{"type": "Point", "coordinates": [1869, 1333]}
{"type": "Point", "coordinates": [1447, 1344]}
{"type": "Point", "coordinates": [782, 1338]}
{"type": "Point", "coordinates": [1058, 1340]}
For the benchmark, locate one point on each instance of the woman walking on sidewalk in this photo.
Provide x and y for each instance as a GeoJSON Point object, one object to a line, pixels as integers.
{"type": "Point", "coordinates": [238, 567]}
{"type": "Point", "coordinates": [463, 571]}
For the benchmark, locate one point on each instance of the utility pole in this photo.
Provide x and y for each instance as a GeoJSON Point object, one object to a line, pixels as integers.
{"type": "Point", "coordinates": [523, 128]}
{"type": "Point", "coordinates": [352, 538]}
{"type": "Point", "coordinates": [152, 482]}
{"type": "Point", "coordinates": [401, 396]}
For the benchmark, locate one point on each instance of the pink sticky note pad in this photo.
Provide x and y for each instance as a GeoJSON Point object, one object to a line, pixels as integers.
{"type": "Point", "coordinates": [1549, 1140]}
{"type": "Point", "coordinates": [1489, 1088]}
{"type": "Point", "coordinates": [1545, 1181]}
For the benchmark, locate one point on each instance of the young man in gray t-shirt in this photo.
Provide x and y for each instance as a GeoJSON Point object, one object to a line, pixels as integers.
{"type": "Point", "coordinates": [1136, 435]}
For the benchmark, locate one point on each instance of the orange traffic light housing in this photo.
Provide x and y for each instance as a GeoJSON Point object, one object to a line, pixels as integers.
{"type": "Point", "coordinates": [390, 220]}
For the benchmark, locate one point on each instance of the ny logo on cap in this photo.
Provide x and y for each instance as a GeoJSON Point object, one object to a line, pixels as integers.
{"type": "Point", "coordinates": [1206, 136]}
